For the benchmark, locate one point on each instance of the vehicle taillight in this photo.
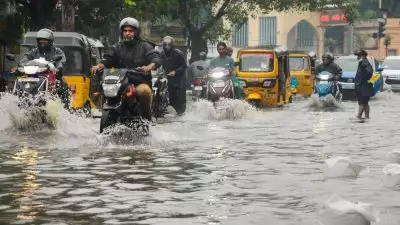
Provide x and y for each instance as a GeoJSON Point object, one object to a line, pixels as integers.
{"type": "Point", "coordinates": [130, 92]}
{"type": "Point", "coordinates": [197, 82]}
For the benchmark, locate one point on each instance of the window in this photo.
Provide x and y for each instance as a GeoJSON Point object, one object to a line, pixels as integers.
{"type": "Point", "coordinates": [299, 63]}
{"type": "Point", "coordinates": [347, 64]}
{"type": "Point", "coordinates": [391, 64]}
{"type": "Point", "coordinates": [305, 34]}
{"type": "Point", "coordinates": [268, 30]}
{"type": "Point", "coordinates": [74, 63]}
{"type": "Point", "coordinates": [256, 62]}
{"type": "Point", "coordinates": [240, 35]}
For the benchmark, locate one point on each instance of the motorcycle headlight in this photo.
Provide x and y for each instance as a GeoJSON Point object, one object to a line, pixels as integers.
{"type": "Point", "coordinates": [111, 90]}
{"type": "Point", "coordinates": [218, 74]}
{"type": "Point", "coordinates": [31, 69]}
{"type": "Point", "coordinates": [324, 77]}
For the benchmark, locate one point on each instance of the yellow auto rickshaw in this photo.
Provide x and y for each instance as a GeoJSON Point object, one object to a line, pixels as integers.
{"type": "Point", "coordinates": [302, 71]}
{"type": "Point", "coordinates": [265, 76]}
{"type": "Point", "coordinates": [80, 57]}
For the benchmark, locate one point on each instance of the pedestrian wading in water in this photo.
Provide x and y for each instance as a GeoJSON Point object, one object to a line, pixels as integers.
{"type": "Point", "coordinates": [363, 87]}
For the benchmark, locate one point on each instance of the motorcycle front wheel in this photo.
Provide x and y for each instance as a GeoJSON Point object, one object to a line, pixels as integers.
{"type": "Point", "coordinates": [108, 118]}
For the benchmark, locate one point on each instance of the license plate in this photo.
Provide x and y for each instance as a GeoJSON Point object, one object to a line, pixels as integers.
{"type": "Point", "coordinates": [219, 84]}
{"type": "Point", "coordinates": [29, 79]}
{"type": "Point", "coordinates": [323, 82]}
{"type": "Point", "coordinates": [347, 86]}
{"type": "Point", "coordinates": [198, 88]}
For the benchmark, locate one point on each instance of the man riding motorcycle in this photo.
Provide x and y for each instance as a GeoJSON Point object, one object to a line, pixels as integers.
{"type": "Point", "coordinates": [133, 52]}
{"type": "Point", "coordinates": [174, 64]}
{"type": "Point", "coordinates": [46, 49]}
{"type": "Point", "coordinates": [226, 61]}
{"type": "Point", "coordinates": [329, 66]}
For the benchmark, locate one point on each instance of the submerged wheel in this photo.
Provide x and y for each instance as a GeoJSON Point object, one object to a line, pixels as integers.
{"type": "Point", "coordinates": [108, 118]}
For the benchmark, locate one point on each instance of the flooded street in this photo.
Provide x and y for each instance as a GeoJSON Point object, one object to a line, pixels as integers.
{"type": "Point", "coordinates": [233, 165]}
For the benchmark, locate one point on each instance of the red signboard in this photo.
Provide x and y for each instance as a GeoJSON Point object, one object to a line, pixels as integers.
{"type": "Point", "coordinates": [331, 17]}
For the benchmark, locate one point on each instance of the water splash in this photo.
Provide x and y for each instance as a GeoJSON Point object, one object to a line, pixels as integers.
{"type": "Point", "coordinates": [224, 109]}
{"type": "Point", "coordinates": [327, 103]}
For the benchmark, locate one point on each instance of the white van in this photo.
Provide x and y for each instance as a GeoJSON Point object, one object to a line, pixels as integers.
{"type": "Point", "coordinates": [391, 72]}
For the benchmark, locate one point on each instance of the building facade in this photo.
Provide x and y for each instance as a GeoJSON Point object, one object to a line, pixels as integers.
{"type": "Point", "coordinates": [296, 30]}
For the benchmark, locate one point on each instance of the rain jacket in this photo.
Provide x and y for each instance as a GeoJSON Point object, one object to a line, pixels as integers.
{"type": "Point", "coordinates": [363, 75]}
{"type": "Point", "coordinates": [131, 56]}
{"type": "Point", "coordinates": [48, 55]}
{"type": "Point", "coordinates": [331, 68]}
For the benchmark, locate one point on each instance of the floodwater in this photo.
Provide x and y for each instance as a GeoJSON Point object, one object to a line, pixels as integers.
{"type": "Point", "coordinates": [233, 165]}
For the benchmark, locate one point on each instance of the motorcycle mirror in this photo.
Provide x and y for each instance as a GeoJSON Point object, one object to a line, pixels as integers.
{"type": "Point", "coordinates": [10, 57]}
{"type": "Point", "coordinates": [200, 67]}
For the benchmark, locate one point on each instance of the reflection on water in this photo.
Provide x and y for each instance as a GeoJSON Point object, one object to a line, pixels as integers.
{"type": "Point", "coordinates": [25, 196]}
{"type": "Point", "coordinates": [257, 167]}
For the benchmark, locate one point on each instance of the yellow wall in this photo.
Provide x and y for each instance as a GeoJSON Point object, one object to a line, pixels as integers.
{"type": "Point", "coordinates": [285, 22]}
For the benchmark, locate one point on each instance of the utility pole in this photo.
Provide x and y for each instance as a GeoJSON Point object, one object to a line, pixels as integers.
{"type": "Point", "coordinates": [381, 25]}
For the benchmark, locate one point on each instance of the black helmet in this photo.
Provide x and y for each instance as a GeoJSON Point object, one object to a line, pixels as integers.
{"type": "Point", "coordinates": [327, 55]}
{"type": "Point", "coordinates": [361, 52]}
{"type": "Point", "coordinates": [168, 43]}
{"type": "Point", "coordinates": [45, 34]}
{"type": "Point", "coordinates": [131, 22]}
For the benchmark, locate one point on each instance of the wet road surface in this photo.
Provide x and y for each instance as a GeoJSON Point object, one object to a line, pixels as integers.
{"type": "Point", "coordinates": [233, 165]}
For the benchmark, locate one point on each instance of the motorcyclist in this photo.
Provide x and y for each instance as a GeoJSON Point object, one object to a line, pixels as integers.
{"type": "Point", "coordinates": [133, 52]}
{"type": "Point", "coordinates": [224, 60]}
{"type": "Point", "coordinates": [329, 66]}
{"type": "Point", "coordinates": [194, 72]}
{"type": "Point", "coordinates": [174, 64]}
{"type": "Point", "coordinates": [47, 50]}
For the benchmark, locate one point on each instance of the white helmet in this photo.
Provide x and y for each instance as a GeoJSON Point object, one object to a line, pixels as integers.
{"type": "Point", "coordinates": [129, 21]}
{"type": "Point", "coordinates": [45, 34]}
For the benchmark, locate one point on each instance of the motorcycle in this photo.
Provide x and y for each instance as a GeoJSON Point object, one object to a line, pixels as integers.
{"type": "Point", "coordinates": [218, 84]}
{"type": "Point", "coordinates": [35, 82]}
{"type": "Point", "coordinates": [198, 86]}
{"type": "Point", "coordinates": [325, 85]}
{"type": "Point", "coordinates": [121, 105]}
{"type": "Point", "coordinates": [160, 95]}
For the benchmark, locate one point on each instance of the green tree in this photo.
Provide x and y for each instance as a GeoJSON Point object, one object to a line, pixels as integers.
{"type": "Point", "coordinates": [235, 11]}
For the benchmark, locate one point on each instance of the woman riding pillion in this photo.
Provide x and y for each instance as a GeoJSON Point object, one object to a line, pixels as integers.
{"type": "Point", "coordinates": [133, 52]}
